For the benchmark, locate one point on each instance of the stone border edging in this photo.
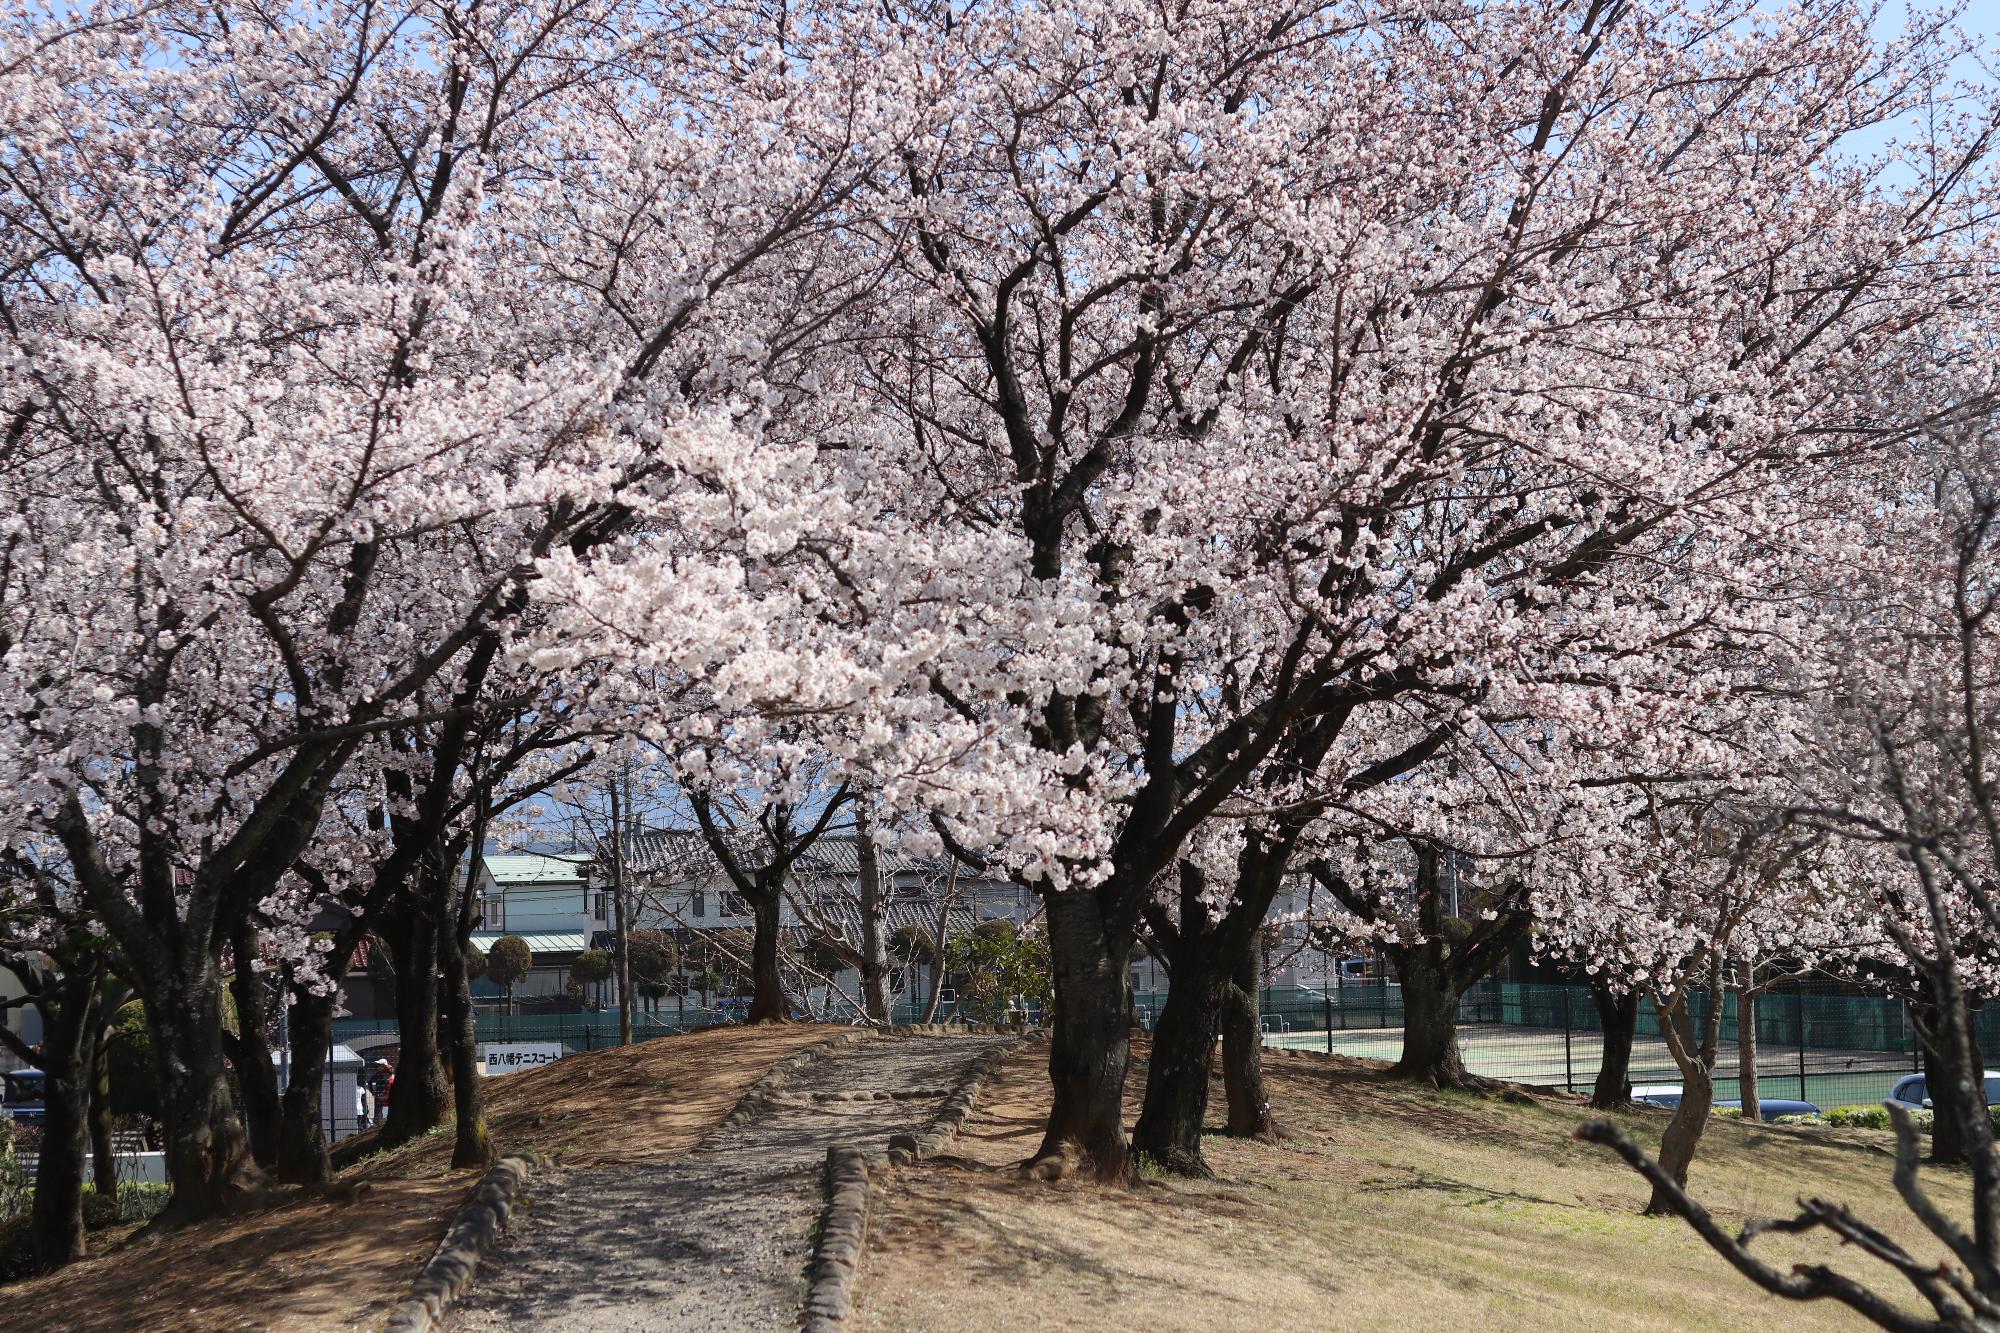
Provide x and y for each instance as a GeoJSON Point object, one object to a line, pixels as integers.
{"type": "Point", "coordinates": [478, 1223]}
{"type": "Point", "coordinates": [843, 1230]}
{"type": "Point", "coordinates": [843, 1234]}
{"type": "Point", "coordinates": [957, 1108]}
{"type": "Point", "coordinates": [763, 1091]}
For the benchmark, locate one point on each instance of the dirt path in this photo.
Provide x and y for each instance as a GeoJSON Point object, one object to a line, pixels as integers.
{"type": "Point", "coordinates": [718, 1239]}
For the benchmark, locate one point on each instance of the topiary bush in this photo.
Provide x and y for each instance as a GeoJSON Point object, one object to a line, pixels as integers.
{"type": "Point", "coordinates": [508, 959]}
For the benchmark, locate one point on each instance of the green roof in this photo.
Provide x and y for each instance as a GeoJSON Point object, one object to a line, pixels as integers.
{"type": "Point", "coordinates": [566, 942]}
{"type": "Point", "coordinates": [532, 868]}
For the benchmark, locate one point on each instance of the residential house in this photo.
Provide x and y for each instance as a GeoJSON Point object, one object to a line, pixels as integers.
{"type": "Point", "coordinates": [549, 901]}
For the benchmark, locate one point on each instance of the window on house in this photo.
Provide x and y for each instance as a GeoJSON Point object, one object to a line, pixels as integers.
{"type": "Point", "coordinates": [735, 904]}
{"type": "Point", "coordinates": [599, 913]}
{"type": "Point", "coordinates": [700, 904]}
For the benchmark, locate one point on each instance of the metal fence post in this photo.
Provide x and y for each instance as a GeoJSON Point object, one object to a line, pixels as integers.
{"type": "Point", "coordinates": [1328, 997]}
{"type": "Point", "coordinates": [1799, 999]}
{"type": "Point", "coordinates": [1569, 1066]}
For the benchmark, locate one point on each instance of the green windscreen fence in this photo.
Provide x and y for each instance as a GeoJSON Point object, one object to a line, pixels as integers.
{"type": "Point", "coordinates": [1817, 1043]}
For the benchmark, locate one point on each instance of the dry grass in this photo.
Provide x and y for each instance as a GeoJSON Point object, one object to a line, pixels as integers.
{"type": "Point", "coordinates": [1386, 1208]}
{"type": "Point", "coordinates": [638, 1103]}
{"type": "Point", "coordinates": [315, 1266]}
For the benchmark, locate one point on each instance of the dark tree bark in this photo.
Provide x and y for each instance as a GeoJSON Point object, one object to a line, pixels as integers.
{"type": "Point", "coordinates": [1746, 1045]}
{"type": "Point", "coordinates": [760, 880]}
{"type": "Point", "coordinates": [1090, 1045]}
{"type": "Point", "coordinates": [1437, 971]}
{"type": "Point", "coordinates": [1220, 956]}
{"type": "Point", "coordinates": [250, 1049]}
{"type": "Point", "coordinates": [767, 982]}
{"type": "Point", "coordinates": [1179, 1068]}
{"type": "Point", "coordinates": [207, 1148]}
{"type": "Point", "coordinates": [103, 1149]}
{"type": "Point", "coordinates": [452, 907]}
{"type": "Point", "coordinates": [420, 1102]}
{"type": "Point", "coordinates": [621, 926]}
{"type": "Point", "coordinates": [874, 948]}
{"type": "Point", "coordinates": [1618, 1016]}
{"type": "Point", "coordinates": [67, 998]}
{"type": "Point", "coordinates": [1962, 1092]}
{"type": "Point", "coordinates": [1431, 1051]}
{"type": "Point", "coordinates": [470, 1145]}
{"type": "Point", "coordinates": [1951, 1137]}
{"type": "Point", "coordinates": [1243, 1050]}
{"type": "Point", "coordinates": [1183, 1048]}
{"type": "Point", "coordinates": [302, 1150]}
{"type": "Point", "coordinates": [69, 1058]}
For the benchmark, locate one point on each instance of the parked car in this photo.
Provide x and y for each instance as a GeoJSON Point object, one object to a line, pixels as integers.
{"type": "Point", "coordinates": [21, 1093]}
{"type": "Point", "coordinates": [1769, 1108]}
{"type": "Point", "coordinates": [1913, 1093]}
{"type": "Point", "coordinates": [1357, 972]}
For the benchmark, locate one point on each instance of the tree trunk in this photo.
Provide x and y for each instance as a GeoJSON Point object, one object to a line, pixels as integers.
{"type": "Point", "coordinates": [207, 1150]}
{"type": "Point", "coordinates": [419, 1103]}
{"type": "Point", "coordinates": [1430, 1020]}
{"type": "Point", "coordinates": [302, 1155]}
{"type": "Point", "coordinates": [1618, 1016]}
{"type": "Point", "coordinates": [1746, 1053]}
{"type": "Point", "coordinates": [936, 965]}
{"type": "Point", "coordinates": [767, 995]}
{"type": "Point", "coordinates": [874, 949]}
{"type": "Point", "coordinates": [1243, 1049]}
{"type": "Point", "coordinates": [470, 1147]}
{"type": "Point", "coordinates": [1964, 1092]}
{"type": "Point", "coordinates": [103, 1151]}
{"type": "Point", "coordinates": [621, 928]}
{"type": "Point", "coordinates": [1183, 1053]}
{"type": "Point", "coordinates": [1683, 1135]}
{"type": "Point", "coordinates": [256, 1074]}
{"type": "Point", "coordinates": [1951, 1140]}
{"type": "Point", "coordinates": [1694, 1055]}
{"type": "Point", "coordinates": [69, 1058]}
{"type": "Point", "coordinates": [1090, 1046]}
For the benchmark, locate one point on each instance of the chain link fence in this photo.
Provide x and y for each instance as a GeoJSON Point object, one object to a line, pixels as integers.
{"type": "Point", "coordinates": [1815, 1042]}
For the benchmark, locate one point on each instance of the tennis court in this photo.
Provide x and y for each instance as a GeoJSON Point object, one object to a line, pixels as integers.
{"type": "Point", "coordinates": [1553, 1058]}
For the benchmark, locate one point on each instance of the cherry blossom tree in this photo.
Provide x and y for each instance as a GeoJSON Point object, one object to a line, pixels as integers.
{"type": "Point", "coordinates": [1903, 735]}
{"type": "Point", "coordinates": [1297, 397]}
{"type": "Point", "coordinates": [322, 327]}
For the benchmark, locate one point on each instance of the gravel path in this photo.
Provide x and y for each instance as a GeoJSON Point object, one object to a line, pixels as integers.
{"type": "Point", "coordinates": [718, 1239]}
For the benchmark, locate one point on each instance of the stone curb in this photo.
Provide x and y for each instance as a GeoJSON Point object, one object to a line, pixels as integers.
{"type": "Point", "coordinates": [843, 1234]}
{"type": "Point", "coordinates": [767, 1089]}
{"type": "Point", "coordinates": [478, 1223]}
{"type": "Point", "coordinates": [843, 1229]}
{"type": "Point", "coordinates": [957, 1109]}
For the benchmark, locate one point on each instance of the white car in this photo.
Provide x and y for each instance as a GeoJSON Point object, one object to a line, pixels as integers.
{"type": "Point", "coordinates": [1914, 1092]}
